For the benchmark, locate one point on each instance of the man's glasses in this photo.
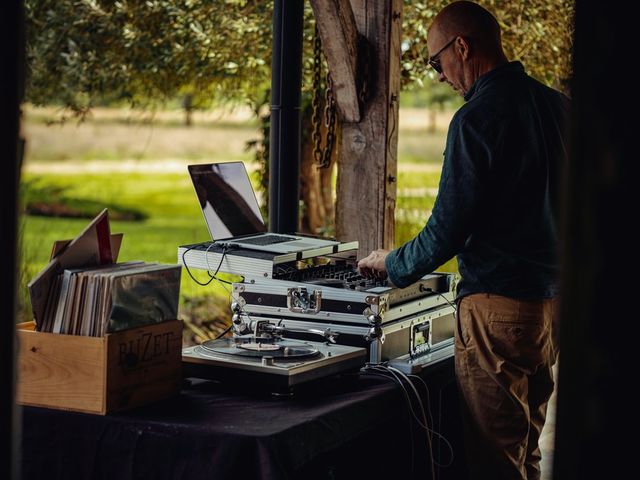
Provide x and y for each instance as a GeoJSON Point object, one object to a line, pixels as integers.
{"type": "Point", "coordinates": [433, 60]}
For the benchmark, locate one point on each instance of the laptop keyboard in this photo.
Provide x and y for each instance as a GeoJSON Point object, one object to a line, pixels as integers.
{"type": "Point", "coordinates": [266, 239]}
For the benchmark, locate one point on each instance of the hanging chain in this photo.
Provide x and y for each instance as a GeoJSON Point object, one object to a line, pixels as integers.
{"type": "Point", "coordinates": [322, 157]}
{"type": "Point", "coordinates": [315, 101]}
{"type": "Point", "coordinates": [329, 122]}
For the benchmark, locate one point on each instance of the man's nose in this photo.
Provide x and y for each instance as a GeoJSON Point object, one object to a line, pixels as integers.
{"type": "Point", "coordinates": [442, 77]}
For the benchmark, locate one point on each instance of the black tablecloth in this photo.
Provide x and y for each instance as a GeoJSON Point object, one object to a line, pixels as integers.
{"type": "Point", "coordinates": [340, 427]}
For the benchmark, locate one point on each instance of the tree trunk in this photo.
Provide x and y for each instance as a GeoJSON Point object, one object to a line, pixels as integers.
{"type": "Point", "coordinates": [432, 120]}
{"type": "Point", "coordinates": [187, 104]}
{"type": "Point", "coordinates": [316, 189]}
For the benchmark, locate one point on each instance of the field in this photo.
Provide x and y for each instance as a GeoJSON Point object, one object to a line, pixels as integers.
{"type": "Point", "coordinates": [136, 162]}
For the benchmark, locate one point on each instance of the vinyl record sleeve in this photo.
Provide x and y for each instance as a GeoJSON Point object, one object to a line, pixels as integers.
{"type": "Point", "coordinates": [143, 296]}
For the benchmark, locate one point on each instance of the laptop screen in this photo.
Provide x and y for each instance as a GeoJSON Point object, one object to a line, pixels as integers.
{"type": "Point", "coordinates": [227, 199]}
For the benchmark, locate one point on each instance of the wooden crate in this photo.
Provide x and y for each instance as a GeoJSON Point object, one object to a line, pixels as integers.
{"type": "Point", "coordinates": [116, 372]}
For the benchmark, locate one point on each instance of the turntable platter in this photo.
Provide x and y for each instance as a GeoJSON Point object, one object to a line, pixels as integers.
{"type": "Point", "coordinates": [291, 363]}
{"type": "Point", "coordinates": [259, 347]}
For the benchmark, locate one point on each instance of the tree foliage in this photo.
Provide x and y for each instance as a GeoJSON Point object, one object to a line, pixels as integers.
{"type": "Point", "coordinates": [81, 52]}
{"type": "Point", "coordinates": [537, 32]}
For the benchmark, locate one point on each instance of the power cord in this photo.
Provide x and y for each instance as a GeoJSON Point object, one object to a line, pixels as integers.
{"type": "Point", "coordinates": [223, 283]}
{"type": "Point", "coordinates": [411, 393]}
{"type": "Point", "coordinates": [226, 330]}
{"type": "Point", "coordinates": [225, 247]}
{"type": "Point", "coordinates": [204, 284]}
{"type": "Point", "coordinates": [368, 370]}
{"type": "Point", "coordinates": [400, 378]}
{"type": "Point", "coordinates": [439, 435]}
{"type": "Point", "coordinates": [453, 305]}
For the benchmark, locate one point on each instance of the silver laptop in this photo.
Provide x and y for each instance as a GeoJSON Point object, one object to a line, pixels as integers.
{"type": "Point", "coordinates": [232, 214]}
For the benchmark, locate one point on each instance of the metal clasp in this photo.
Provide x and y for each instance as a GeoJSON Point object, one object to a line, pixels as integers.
{"type": "Point", "coordinates": [299, 300]}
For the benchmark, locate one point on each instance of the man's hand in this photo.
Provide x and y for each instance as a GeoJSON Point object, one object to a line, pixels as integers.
{"type": "Point", "coordinates": [372, 266]}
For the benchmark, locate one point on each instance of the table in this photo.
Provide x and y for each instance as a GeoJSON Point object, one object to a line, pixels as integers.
{"type": "Point", "coordinates": [346, 426]}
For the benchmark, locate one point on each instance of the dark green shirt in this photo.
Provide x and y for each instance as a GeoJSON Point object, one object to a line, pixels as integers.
{"type": "Point", "coordinates": [497, 201]}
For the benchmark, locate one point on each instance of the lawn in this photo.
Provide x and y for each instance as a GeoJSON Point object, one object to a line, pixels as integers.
{"type": "Point", "coordinates": [140, 167]}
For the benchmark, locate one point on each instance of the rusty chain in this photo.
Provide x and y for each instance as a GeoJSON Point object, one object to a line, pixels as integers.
{"type": "Point", "coordinates": [329, 122]}
{"type": "Point", "coordinates": [322, 156]}
{"type": "Point", "coordinates": [315, 101]}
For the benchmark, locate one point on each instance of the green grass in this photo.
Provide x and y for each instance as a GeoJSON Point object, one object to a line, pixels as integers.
{"type": "Point", "coordinates": [421, 146]}
{"type": "Point", "coordinates": [174, 219]}
{"type": "Point", "coordinates": [418, 179]}
{"type": "Point", "coordinates": [44, 199]}
{"type": "Point", "coordinates": [164, 196]}
{"type": "Point", "coordinates": [116, 136]}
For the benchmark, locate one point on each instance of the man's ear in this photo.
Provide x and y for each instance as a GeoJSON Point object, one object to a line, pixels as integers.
{"type": "Point", "coordinates": [462, 47]}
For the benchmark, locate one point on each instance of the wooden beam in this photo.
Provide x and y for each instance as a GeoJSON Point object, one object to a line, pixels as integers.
{"type": "Point", "coordinates": [367, 152]}
{"type": "Point", "coordinates": [337, 30]}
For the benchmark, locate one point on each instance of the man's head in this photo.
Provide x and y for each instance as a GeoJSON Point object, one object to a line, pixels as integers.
{"type": "Point", "coordinates": [464, 43]}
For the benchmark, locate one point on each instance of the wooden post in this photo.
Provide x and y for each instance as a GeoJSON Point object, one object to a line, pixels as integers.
{"type": "Point", "coordinates": [367, 152]}
{"type": "Point", "coordinates": [339, 36]}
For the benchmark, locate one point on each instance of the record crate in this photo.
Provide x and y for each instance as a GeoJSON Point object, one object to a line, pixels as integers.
{"type": "Point", "coordinates": [99, 375]}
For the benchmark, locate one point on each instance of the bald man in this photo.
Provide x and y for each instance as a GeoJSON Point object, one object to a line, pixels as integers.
{"type": "Point", "coordinates": [496, 210]}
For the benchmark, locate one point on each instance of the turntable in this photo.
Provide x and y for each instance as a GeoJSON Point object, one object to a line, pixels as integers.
{"type": "Point", "coordinates": [269, 360]}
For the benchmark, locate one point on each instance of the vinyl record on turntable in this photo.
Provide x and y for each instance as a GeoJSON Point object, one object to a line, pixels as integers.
{"type": "Point", "coordinates": [259, 347]}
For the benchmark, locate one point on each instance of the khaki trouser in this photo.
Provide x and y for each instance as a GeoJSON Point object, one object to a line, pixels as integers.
{"type": "Point", "coordinates": [504, 351]}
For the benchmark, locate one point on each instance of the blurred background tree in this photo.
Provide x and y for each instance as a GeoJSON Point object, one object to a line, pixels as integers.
{"type": "Point", "coordinates": [199, 53]}
{"type": "Point", "coordinates": [203, 54]}
{"type": "Point", "coordinates": [83, 53]}
{"type": "Point", "coordinates": [537, 32]}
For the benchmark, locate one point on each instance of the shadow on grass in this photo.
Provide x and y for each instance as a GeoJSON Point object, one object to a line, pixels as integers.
{"type": "Point", "coordinates": [50, 201]}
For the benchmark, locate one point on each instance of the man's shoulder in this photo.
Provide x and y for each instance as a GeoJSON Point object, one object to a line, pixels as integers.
{"type": "Point", "coordinates": [502, 102]}
{"type": "Point", "coordinates": [547, 90]}
{"type": "Point", "coordinates": [474, 114]}
{"type": "Point", "coordinates": [546, 98]}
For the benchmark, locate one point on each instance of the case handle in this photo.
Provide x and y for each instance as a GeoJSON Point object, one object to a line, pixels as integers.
{"type": "Point", "coordinates": [299, 300]}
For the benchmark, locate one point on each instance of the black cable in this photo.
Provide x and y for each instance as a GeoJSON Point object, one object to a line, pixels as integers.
{"type": "Point", "coordinates": [368, 370]}
{"type": "Point", "coordinates": [212, 276]}
{"type": "Point", "coordinates": [428, 396]}
{"type": "Point", "coordinates": [189, 271]}
{"type": "Point", "coordinates": [399, 377]}
{"type": "Point", "coordinates": [441, 438]}
{"type": "Point", "coordinates": [225, 247]}
{"type": "Point", "coordinates": [225, 332]}
{"type": "Point", "coordinates": [453, 305]}
{"type": "Point", "coordinates": [224, 252]}
{"type": "Point", "coordinates": [424, 425]}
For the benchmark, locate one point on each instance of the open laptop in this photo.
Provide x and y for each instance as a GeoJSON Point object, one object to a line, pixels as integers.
{"type": "Point", "coordinates": [232, 214]}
